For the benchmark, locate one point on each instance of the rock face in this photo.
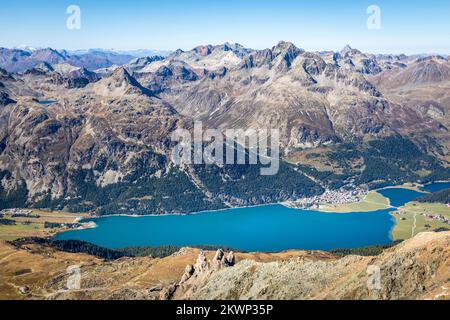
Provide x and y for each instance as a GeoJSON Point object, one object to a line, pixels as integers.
{"type": "Point", "coordinates": [80, 78]}
{"type": "Point", "coordinates": [140, 63]}
{"type": "Point", "coordinates": [423, 71]}
{"type": "Point", "coordinates": [416, 269]}
{"type": "Point", "coordinates": [221, 261]}
{"type": "Point", "coordinates": [4, 99]}
{"type": "Point", "coordinates": [188, 273]}
{"type": "Point", "coordinates": [24, 290]}
{"type": "Point", "coordinates": [423, 85]}
{"type": "Point", "coordinates": [195, 275]}
{"type": "Point", "coordinates": [104, 127]}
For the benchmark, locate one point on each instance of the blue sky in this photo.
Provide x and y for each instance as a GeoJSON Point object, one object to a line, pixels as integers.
{"type": "Point", "coordinates": [406, 26]}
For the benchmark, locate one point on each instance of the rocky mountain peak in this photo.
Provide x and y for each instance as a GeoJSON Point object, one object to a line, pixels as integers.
{"type": "Point", "coordinates": [49, 55]}
{"type": "Point", "coordinates": [238, 49]}
{"type": "Point", "coordinates": [347, 51]}
{"type": "Point", "coordinates": [204, 50]}
{"type": "Point", "coordinates": [281, 56]}
{"type": "Point", "coordinates": [42, 69]}
{"type": "Point", "coordinates": [84, 73]}
{"type": "Point", "coordinates": [176, 54]}
{"type": "Point", "coordinates": [146, 60]}
{"type": "Point", "coordinates": [423, 71]}
{"type": "Point", "coordinates": [288, 53]}
{"type": "Point", "coordinates": [285, 46]}
{"type": "Point", "coordinates": [45, 67]}
{"type": "Point", "coordinates": [120, 82]}
{"type": "Point", "coordinates": [64, 68]}
{"type": "Point", "coordinates": [430, 71]}
{"type": "Point", "coordinates": [140, 63]}
{"type": "Point", "coordinates": [228, 47]}
{"type": "Point", "coordinates": [121, 75]}
{"type": "Point", "coordinates": [435, 59]}
{"type": "Point", "coordinates": [207, 50]}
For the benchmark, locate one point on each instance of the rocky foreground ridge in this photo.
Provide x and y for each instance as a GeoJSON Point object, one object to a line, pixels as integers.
{"type": "Point", "coordinates": [418, 268]}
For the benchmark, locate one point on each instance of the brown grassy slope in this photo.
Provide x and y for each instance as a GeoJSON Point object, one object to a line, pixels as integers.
{"type": "Point", "coordinates": [127, 278]}
{"type": "Point", "coordinates": [416, 269]}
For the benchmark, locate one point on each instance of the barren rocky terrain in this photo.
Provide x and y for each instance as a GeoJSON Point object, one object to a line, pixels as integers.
{"type": "Point", "coordinates": [416, 269]}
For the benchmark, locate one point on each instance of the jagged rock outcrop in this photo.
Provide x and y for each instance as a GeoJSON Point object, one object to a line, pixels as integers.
{"type": "Point", "coordinates": [416, 269]}
{"type": "Point", "coordinates": [221, 260]}
{"type": "Point", "coordinates": [202, 264]}
{"type": "Point", "coordinates": [188, 273]}
{"type": "Point", "coordinates": [195, 275]}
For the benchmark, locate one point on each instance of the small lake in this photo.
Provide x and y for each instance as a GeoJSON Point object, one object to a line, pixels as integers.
{"type": "Point", "coordinates": [436, 187]}
{"type": "Point", "coordinates": [265, 228]}
{"type": "Point", "coordinates": [400, 197]}
{"type": "Point", "coordinates": [46, 102]}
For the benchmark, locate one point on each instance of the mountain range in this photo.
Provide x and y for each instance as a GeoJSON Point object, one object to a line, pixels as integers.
{"type": "Point", "coordinates": [17, 60]}
{"type": "Point", "coordinates": [91, 131]}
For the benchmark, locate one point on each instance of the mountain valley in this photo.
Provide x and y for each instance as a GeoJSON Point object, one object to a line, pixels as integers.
{"type": "Point", "coordinates": [88, 137]}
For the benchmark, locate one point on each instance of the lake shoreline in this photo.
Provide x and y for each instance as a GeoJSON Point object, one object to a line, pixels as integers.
{"type": "Point", "coordinates": [95, 217]}
{"type": "Point", "coordinates": [271, 216]}
{"type": "Point", "coordinates": [284, 203]}
{"type": "Point", "coordinates": [273, 228]}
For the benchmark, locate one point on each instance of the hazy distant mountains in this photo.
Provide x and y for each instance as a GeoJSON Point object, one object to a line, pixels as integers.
{"type": "Point", "coordinates": [21, 60]}
{"type": "Point", "coordinates": [91, 131]}
{"type": "Point", "coordinates": [134, 53]}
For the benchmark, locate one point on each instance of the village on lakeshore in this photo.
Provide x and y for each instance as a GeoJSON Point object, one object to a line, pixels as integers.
{"type": "Point", "coordinates": [345, 195]}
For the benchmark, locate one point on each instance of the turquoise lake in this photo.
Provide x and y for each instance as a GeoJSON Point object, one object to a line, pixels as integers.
{"type": "Point", "coordinates": [266, 228]}
{"type": "Point", "coordinates": [438, 186]}
{"type": "Point", "coordinates": [398, 197]}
